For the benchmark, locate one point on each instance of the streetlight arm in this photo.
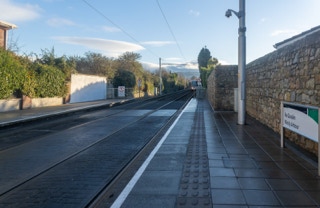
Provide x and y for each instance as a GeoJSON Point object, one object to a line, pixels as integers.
{"type": "Point", "coordinates": [230, 11]}
{"type": "Point", "coordinates": [238, 14]}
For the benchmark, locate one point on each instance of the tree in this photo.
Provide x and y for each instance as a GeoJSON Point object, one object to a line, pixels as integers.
{"type": "Point", "coordinates": [124, 78]}
{"type": "Point", "coordinates": [95, 64]}
{"type": "Point", "coordinates": [204, 57]}
{"type": "Point", "coordinates": [129, 57]}
{"type": "Point", "coordinates": [64, 64]}
{"type": "Point", "coordinates": [48, 57]}
{"type": "Point", "coordinates": [129, 61]}
{"type": "Point", "coordinates": [206, 64]}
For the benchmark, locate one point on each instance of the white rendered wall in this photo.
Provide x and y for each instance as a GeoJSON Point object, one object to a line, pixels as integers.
{"type": "Point", "coordinates": [87, 88]}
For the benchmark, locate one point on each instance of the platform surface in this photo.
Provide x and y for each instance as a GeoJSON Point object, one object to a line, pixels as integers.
{"type": "Point", "coordinates": [207, 160]}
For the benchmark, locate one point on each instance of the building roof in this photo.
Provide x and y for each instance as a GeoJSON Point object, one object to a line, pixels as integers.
{"type": "Point", "coordinates": [296, 37]}
{"type": "Point", "coordinates": [6, 25]}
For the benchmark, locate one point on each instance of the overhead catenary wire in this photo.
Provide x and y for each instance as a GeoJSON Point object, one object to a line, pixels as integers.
{"type": "Point", "coordinates": [171, 31]}
{"type": "Point", "coordinates": [117, 26]}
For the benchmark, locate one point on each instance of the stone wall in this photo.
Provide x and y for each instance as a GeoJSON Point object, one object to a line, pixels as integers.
{"type": "Point", "coordinates": [221, 84]}
{"type": "Point", "coordinates": [291, 73]}
{"type": "Point", "coordinates": [28, 103]}
{"type": "Point", "coordinates": [9, 105]}
{"type": "Point", "coordinates": [43, 102]}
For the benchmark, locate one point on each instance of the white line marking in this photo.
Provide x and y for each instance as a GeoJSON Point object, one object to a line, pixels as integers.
{"type": "Point", "coordinates": [126, 191]}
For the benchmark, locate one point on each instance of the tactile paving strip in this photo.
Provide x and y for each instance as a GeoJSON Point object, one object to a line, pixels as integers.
{"type": "Point", "coordinates": [194, 190]}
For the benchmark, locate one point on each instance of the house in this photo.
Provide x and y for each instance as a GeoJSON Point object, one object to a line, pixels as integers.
{"type": "Point", "coordinates": [4, 27]}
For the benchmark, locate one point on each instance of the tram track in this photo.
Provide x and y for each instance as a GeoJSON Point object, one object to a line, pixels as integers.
{"type": "Point", "coordinates": [20, 133]}
{"type": "Point", "coordinates": [111, 191]}
{"type": "Point", "coordinates": [75, 165]}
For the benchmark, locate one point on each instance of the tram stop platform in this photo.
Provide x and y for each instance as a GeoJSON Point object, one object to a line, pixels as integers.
{"type": "Point", "coordinates": [20, 116]}
{"type": "Point", "coordinates": [207, 160]}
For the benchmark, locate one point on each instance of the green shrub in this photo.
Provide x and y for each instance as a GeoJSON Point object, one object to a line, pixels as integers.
{"type": "Point", "coordinates": [19, 76]}
{"type": "Point", "coordinates": [29, 84]}
{"type": "Point", "coordinates": [50, 82]}
{"type": "Point", "coordinates": [12, 74]}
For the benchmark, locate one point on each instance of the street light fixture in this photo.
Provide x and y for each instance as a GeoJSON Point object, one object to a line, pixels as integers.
{"type": "Point", "coordinates": [160, 76]}
{"type": "Point", "coordinates": [241, 61]}
{"type": "Point", "coordinates": [230, 11]}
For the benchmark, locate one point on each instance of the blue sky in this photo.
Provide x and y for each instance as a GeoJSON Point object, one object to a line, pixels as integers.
{"type": "Point", "coordinates": [112, 27]}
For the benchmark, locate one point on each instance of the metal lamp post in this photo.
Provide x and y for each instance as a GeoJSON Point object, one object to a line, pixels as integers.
{"type": "Point", "coordinates": [160, 76]}
{"type": "Point", "coordinates": [241, 61]}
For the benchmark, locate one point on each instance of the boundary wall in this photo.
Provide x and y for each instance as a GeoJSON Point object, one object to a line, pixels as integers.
{"type": "Point", "coordinates": [290, 73]}
{"type": "Point", "coordinates": [82, 88]}
{"type": "Point", "coordinates": [87, 88]}
{"type": "Point", "coordinates": [221, 83]}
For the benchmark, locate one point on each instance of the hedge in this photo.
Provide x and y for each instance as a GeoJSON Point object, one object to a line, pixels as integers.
{"type": "Point", "coordinates": [19, 76]}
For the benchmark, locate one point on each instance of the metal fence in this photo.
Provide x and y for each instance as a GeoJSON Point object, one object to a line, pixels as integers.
{"type": "Point", "coordinates": [128, 93]}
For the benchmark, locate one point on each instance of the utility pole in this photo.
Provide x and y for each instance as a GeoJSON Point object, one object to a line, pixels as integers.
{"type": "Point", "coordinates": [241, 61]}
{"type": "Point", "coordinates": [160, 90]}
{"type": "Point", "coordinates": [242, 64]}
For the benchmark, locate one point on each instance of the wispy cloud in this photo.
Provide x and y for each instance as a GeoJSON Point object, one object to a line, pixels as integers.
{"type": "Point", "coordinates": [13, 12]}
{"type": "Point", "coordinates": [157, 43]}
{"type": "Point", "coordinates": [263, 20]}
{"type": "Point", "coordinates": [59, 22]}
{"type": "Point", "coordinates": [189, 69]}
{"type": "Point", "coordinates": [50, 1]}
{"type": "Point", "coordinates": [192, 65]}
{"type": "Point", "coordinates": [112, 48]}
{"type": "Point", "coordinates": [222, 62]}
{"type": "Point", "coordinates": [110, 29]}
{"type": "Point", "coordinates": [284, 32]}
{"type": "Point", "coordinates": [194, 13]}
{"type": "Point", "coordinates": [173, 60]}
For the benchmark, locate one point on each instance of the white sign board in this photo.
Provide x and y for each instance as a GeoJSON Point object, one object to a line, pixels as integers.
{"type": "Point", "coordinates": [303, 120]}
{"type": "Point", "coordinates": [121, 91]}
{"type": "Point", "coordinates": [300, 123]}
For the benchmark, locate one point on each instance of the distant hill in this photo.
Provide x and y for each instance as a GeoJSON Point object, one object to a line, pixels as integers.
{"type": "Point", "coordinates": [187, 69]}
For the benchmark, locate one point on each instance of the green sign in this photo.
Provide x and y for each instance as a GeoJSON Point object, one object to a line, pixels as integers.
{"type": "Point", "coordinates": [314, 114]}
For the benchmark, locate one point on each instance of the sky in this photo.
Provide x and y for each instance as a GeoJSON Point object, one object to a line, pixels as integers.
{"type": "Point", "coordinates": [173, 30]}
